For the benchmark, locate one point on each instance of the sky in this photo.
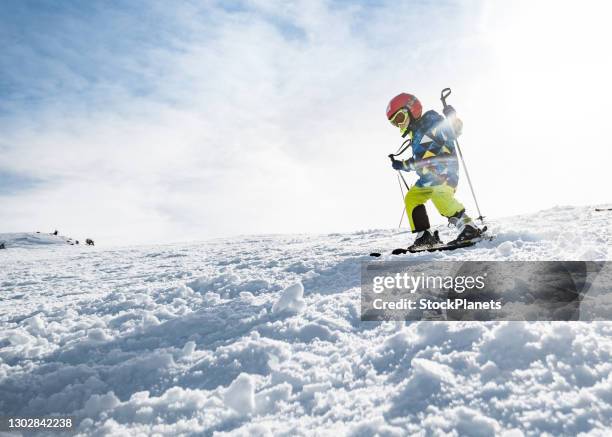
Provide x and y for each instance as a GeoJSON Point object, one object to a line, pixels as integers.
{"type": "Point", "coordinates": [154, 121]}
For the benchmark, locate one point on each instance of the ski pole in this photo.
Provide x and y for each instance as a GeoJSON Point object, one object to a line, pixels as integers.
{"type": "Point", "coordinates": [400, 175]}
{"type": "Point", "coordinates": [404, 208]}
{"type": "Point", "coordinates": [448, 112]}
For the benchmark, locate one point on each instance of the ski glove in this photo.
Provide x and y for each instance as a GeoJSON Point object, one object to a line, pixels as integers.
{"type": "Point", "coordinates": [457, 125]}
{"type": "Point", "coordinates": [407, 165]}
{"type": "Point", "coordinates": [451, 115]}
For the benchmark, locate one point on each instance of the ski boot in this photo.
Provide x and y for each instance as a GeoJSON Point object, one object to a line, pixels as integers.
{"type": "Point", "coordinates": [469, 232]}
{"type": "Point", "coordinates": [426, 239]}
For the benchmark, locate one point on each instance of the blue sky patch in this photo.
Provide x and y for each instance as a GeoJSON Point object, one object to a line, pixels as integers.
{"type": "Point", "coordinates": [12, 182]}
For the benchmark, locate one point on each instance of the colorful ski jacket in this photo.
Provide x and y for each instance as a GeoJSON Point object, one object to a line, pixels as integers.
{"type": "Point", "coordinates": [434, 157]}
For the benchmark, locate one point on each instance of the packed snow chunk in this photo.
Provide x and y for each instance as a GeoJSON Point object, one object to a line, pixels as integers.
{"type": "Point", "coordinates": [246, 296]}
{"type": "Point", "coordinates": [431, 370]}
{"type": "Point", "coordinates": [511, 345]}
{"type": "Point", "coordinates": [99, 403]}
{"type": "Point", "coordinates": [488, 371]}
{"type": "Point", "coordinates": [149, 321]}
{"type": "Point", "coordinates": [505, 249]}
{"type": "Point", "coordinates": [240, 395]}
{"type": "Point", "coordinates": [311, 331]}
{"type": "Point", "coordinates": [20, 338]}
{"type": "Point", "coordinates": [266, 401]}
{"type": "Point", "coordinates": [470, 422]}
{"type": "Point", "coordinates": [98, 335]}
{"type": "Point", "coordinates": [228, 285]}
{"type": "Point", "coordinates": [189, 348]}
{"type": "Point", "coordinates": [423, 388]}
{"type": "Point", "coordinates": [594, 254]}
{"type": "Point", "coordinates": [221, 283]}
{"type": "Point", "coordinates": [291, 300]}
{"type": "Point", "coordinates": [375, 427]}
{"type": "Point", "coordinates": [255, 285]}
{"type": "Point", "coordinates": [35, 324]}
{"type": "Point", "coordinates": [309, 390]}
{"type": "Point", "coordinates": [211, 298]}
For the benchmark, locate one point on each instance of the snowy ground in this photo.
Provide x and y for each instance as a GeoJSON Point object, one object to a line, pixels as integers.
{"type": "Point", "coordinates": [262, 336]}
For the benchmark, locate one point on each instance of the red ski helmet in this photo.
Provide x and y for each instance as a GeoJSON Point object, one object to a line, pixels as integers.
{"type": "Point", "coordinates": [404, 100]}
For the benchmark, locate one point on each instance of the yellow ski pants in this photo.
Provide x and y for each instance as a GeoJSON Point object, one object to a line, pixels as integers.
{"type": "Point", "coordinates": [443, 198]}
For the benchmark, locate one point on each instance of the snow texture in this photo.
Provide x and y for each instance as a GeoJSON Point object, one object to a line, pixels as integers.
{"type": "Point", "coordinates": [262, 336]}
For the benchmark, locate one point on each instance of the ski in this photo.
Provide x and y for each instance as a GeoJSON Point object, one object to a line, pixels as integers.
{"type": "Point", "coordinates": [444, 246]}
{"type": "Point", "coordinates": [434, 248]}
{"type": "Point", "coordinates": [452, 245]}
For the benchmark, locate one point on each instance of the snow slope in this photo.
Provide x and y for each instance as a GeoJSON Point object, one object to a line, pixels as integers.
{"type": "Point", "coordinates": [262, 336]}
{"type": "Point", "coordinates": [32, 240]}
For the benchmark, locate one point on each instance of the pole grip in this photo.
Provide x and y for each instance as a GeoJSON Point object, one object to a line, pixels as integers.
{"type": "Point", "coordinates": [443, 96]}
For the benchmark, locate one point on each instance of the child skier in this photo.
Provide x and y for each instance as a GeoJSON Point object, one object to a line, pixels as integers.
{"type": "Point", "coordinates": [434, 159]}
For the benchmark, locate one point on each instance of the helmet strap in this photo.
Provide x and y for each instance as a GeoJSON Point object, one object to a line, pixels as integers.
{"type": "Point", "coordinates": [410, 120]}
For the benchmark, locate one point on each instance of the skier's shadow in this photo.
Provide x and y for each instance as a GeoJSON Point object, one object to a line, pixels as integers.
{"type": "Point", "coordinates": [530, 291]}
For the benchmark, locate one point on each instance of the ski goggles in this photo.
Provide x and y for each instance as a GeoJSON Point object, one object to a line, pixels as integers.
{"type": "Point", "coordinates": [400, 117]}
